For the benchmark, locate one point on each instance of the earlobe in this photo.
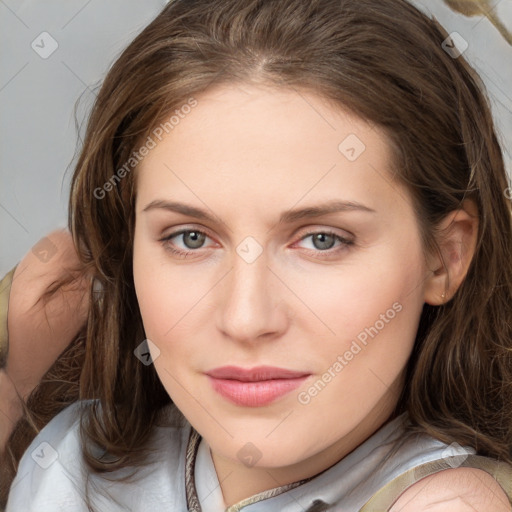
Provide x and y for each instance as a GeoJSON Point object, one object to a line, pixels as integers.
{"type": "Point", "coordinates": [456, 239]}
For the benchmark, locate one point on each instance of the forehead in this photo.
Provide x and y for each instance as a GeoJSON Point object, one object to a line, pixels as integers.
{"type": "Point", "coordinates": [244, 143]}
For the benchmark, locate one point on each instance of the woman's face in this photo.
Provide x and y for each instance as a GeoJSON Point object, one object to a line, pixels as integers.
{"type": "Point", "coordinates": [295, 250]}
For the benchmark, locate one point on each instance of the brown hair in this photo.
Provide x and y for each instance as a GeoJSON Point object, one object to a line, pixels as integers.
{"type": "Point", "coordinates": [383, 61]}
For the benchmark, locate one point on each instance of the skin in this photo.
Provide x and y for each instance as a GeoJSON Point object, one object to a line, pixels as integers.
{"type": "Point", "coordinates": [454, 490]}
{"type": "Point", "coordinates": [246, 154]}
{"type": "Point", "coordinates": [41, 330]}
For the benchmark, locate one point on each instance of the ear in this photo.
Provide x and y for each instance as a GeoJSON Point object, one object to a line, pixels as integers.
{"type": "Point", "coordinates": [456, 238]}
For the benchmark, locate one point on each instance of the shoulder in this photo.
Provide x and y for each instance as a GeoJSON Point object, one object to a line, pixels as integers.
{"type": "Point", "coordinates": [461, 489]}
{"type": "Point", "coordinates": [53, 456]}
{"type": "Point", "coordinates": [53, 476]}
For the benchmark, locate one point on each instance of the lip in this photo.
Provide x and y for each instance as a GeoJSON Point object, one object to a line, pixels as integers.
{"type": "Point", "coordinates": [254, 387]}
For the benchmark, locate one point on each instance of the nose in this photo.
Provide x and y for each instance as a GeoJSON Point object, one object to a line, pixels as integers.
{"type": "Point", "coordinates": [252, 302]}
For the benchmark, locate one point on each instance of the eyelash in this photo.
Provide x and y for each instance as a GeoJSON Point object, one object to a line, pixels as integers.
{"type": "Point", "coordinates": [345, 243]}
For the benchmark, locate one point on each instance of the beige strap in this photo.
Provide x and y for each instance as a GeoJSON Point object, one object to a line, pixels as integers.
{"type": "Point", "coordinates": [384, 498]}
{"type": "Point", "coordinates": [5, 290]}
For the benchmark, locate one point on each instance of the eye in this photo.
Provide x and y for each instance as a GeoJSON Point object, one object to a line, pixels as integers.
{"type": "Point", "coordinates": [324, 241]}
{"type": "Point", "coordinates": [191, 238]}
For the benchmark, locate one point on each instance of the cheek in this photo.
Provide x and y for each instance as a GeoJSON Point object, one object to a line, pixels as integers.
{"type": "Point", "coordinates": [158, 293]}
{"type": "Point", "coordinates": [164, 302]}
{"type": "Point", "coordinates": [343, 303]}
{"type": "Point", "coordinates": [374, 313]}
{"type": "Point", "coordinates": [375, 317]}
{"type": "Point", "coordinates": [169, 298]}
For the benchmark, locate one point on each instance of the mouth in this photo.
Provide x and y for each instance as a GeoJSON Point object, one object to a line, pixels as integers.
{"type": "Point", "coordinates": [254, 387]}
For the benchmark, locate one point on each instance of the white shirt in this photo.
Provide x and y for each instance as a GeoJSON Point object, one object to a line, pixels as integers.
{"type": "Point", "coordinates": [52, 475]}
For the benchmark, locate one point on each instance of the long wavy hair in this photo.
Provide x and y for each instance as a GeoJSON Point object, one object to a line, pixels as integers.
{"type": "Point", "coordinates": [382, 60]}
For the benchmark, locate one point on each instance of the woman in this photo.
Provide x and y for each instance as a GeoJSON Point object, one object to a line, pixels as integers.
{"type": "Point", "coordinates": [296, 219]}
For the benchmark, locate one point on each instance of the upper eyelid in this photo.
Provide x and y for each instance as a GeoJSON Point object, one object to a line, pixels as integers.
{"type": "Point", "coordinates": [309, 231]}
{"type": "Point", "coordinates": [180, 231]}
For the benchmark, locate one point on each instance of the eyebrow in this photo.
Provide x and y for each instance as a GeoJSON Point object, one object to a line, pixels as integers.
{"type": "Point", "coordinates": [287, 216]}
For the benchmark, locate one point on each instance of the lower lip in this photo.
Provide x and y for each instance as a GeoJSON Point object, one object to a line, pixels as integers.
{"type": "Point", "coordinates": [255, 394]}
